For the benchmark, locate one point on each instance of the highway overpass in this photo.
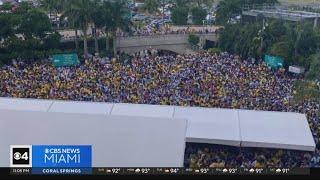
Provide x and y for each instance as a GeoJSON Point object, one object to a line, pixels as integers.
{"type": "Point", "coordinates": [177, 43]}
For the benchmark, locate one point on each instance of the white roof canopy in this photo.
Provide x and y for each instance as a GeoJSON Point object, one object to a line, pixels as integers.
{"type": "Point", "coordinates": [275, 130]}
{"type": "Point", "coordinates": [143, 110]}
{"type": "Point", "coordinates": [25, 104]}
{"type": "Point", "coordinates": [81, 107]}
{"type": "Point", "coordinates": [117, 141]}
{"type": "Point", "coordinates": [205, 125]}
{"type": "Point", "coordinates": [214, 126]}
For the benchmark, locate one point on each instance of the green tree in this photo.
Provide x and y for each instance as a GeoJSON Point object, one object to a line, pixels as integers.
{"type": "Point", "coordinates": [180, 15]}
{"type": "Point", "coordinates": [228, 37]}
{"type": "Point", "coordinates": [282, 49]}
{"type": "Point", "coordinates": [307, 42]}
{"type": "Point", "coordinates": [214, 51]}
{"type": "Point", "coordinates": [226, 9]}
{"type": "Point", "coordinates": [275, 32]}
{"type": "Point", "coordinates": [241, 39]}
{"type": "Point", "coordinates": [69, 10]}
{"type": "Point", "coordinates": [314, 70]}
{"type": "Point", "coordinates": [26, 33]}
{"type": "Point", "coordinates": [198, 15]}
{"type": "Point", "coordinates": [246, 40]}
{"type": "Point", "coordinates": [208, 3]}
{"type": "Point", "coordinates": [80, 13]}
{"type": "Point", "coordinates": [35, 24]}
{"type": "Point", "coordinates": [6, 6]}
{"type": "Point", "coordinates": [230, 8]}
{"type": "Point", "coordinates": [116, 18]}
{"type": "Point", "coordinates": [23, 8]}
{"type": "Point", "coordinates": [151, 6]}
{"type": "Point", "coordinates": [180, 3]}
{"type": "Point", "coordinates": [300, 41]}
{"type": "Point", "coordinates": [306, 90]}
{"type": "Point", "coordinates": [309, 88]}
{"type": "Point", "coordinates": [292, 41]}
{"type": "Point", "coordinates": [54, 7]}
{"type": "Point", "coordinates": [98, 22]}
{"type": "Point", "coordinates": [193, 3]}
{"type": "Point", "coordinates": [193, 39]}
{"type": "Point", "coordinates": [26, 49]}
{"type": "Point", "coordinates": [7, 25]}
{"type": "Point", "coordinates": [52, 41]}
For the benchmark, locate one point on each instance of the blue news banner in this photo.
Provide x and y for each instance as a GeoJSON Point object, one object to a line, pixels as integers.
{"type": "Point", "coordinates": [61, 159]}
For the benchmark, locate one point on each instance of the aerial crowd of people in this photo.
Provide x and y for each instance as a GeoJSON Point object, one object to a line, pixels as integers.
{"type": "Point", "coordinates": [154, 31]}
{"type": "Point", "coordinates": [203, 79]}
{"type": "Point", "coordinates": [141, 32]}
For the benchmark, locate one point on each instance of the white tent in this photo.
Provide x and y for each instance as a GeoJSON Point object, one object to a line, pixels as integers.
{"type": "Point", "coordinates": [81, 107]}
{"type": "Point", "coordinates": [143, 110]}
{"type": "Point", "coordinates": [214, 126]}
{"type": "Point", "coordinates": [117, 141]}
{"type": "Point", "coordinates": [205, 125]}
{"type": "Point", "coordinates": [275, 130]}
{"type": "Point", "coordinates": [25, 104]}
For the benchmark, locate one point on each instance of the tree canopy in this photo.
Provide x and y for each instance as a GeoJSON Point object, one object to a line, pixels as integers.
{"type": "Point", "coordinates": [198, 15]}
{"type": "Point", "coordinates": [230, 8]}
{"type": "Point", "coordinates": [180, 15]}
{"type": "Point", "coordinates": [27, 32]}
{"type": "Point", "coordinates": [291, 41]}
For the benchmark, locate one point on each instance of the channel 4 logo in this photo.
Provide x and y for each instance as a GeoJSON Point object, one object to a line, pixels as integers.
{"type": "Point", "coordinates": [21, 156]}
{"type": "Point", "coordinates": [51, 156]}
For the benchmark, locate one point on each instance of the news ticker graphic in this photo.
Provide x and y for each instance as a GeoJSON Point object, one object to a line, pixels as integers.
{"type": "Point", "coordinates": [160, 171]}
{"type": "Point", "coordinates": [52, 159]}
{"type": "Point", "coordinates": [202, 171]}
{"type": "Point", "coordinates": [77, 160]}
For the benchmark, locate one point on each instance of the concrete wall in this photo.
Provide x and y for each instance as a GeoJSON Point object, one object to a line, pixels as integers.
{"type": "Point", "coordinates": [174, 42]}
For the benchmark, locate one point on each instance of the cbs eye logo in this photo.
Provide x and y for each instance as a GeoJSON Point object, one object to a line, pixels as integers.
{"type": "Point", "coordinates": [20, 156]}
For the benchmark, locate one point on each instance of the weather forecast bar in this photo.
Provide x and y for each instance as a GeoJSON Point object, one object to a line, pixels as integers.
{"type": "Point", "coordinates": [159, 171]}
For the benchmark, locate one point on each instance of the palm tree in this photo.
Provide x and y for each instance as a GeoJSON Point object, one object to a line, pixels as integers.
{"type": "Point", "coordinates": [53, 6]}
{"type": "Point", "coordinates": [309, 88]}
{"type": "Point", "coordinates": [116, 18]}
{"type": "Point", "coordinates": [98, 21]}
{"type": "Point", "coordinates": [48, 5]}
{"type": "Point", "coordinates": [151, 6]}
{"type": "Point", "coordinates": [79, 12]}
{"type": "Point", "coordinates": [306, 90]}
{"type": "Point", "coordinates": [71, 15]}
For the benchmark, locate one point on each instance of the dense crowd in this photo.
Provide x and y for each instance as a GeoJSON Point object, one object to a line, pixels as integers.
{"type": "Point", "coordinates": [218, 156]}
{"type": "Point", "coordinates": [224, 81]}
{"type": "Point", "coordinates": [153, 31]}
{"type": "Point", "coordinates": [145, 31]}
